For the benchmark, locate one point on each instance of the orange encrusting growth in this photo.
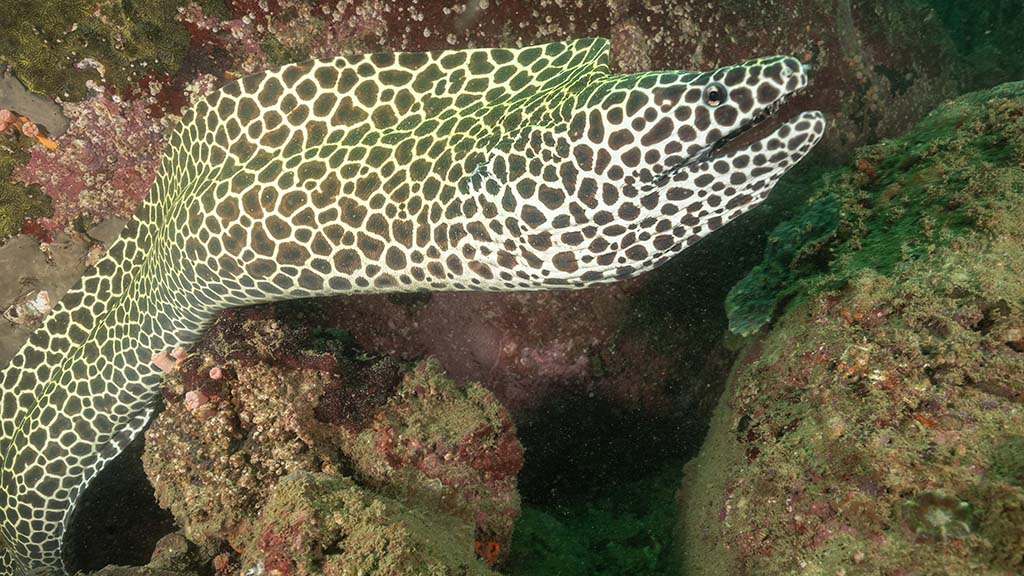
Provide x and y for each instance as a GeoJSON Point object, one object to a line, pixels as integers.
{"type": "Point", "coordinates": [26, 126]}
{"type": "Point", "coordinates": [489, 551]}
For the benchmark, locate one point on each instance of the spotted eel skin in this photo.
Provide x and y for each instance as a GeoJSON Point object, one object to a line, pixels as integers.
{"type": "Point", "coordinates": [484, 169]}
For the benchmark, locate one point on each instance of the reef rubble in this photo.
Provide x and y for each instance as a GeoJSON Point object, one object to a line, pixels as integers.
{"type": "Point", "coordinates": [876, 426]}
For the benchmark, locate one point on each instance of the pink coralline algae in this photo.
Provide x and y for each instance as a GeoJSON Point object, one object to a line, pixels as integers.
{"type": "Point", "coordinates": [105, 164]}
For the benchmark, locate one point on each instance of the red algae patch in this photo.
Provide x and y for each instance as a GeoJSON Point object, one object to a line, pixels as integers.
{"type": "Point", "coordinates": [105, 164]}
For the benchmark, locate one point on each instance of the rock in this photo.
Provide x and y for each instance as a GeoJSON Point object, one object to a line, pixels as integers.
{"type": "Point", "coordinates": [316, 524]}
{"type": "Point", "coordinates": [174, 555]}
{"type": "Point", "coordinates": [42, 110]}
{"type": "Point", "coordinates": [53, 266]}
{"type": "Point", "coordinates": [876, 424]}
{"type": "Point", "coordinates": [135, 571]}
{"type": "Point", "coordinates": [289, 401]}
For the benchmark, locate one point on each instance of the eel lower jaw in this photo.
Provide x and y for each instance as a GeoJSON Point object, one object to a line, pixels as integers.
{"type": "Point", "coordinates": [798, 128]}
{"type": "Point", "coordinates": [762, 120]}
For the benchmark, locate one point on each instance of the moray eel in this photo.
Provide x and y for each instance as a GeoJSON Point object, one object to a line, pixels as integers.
{"type": "Point", "coordinates": [484, 169]}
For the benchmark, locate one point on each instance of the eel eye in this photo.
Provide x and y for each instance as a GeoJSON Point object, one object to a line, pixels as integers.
{"type": "Point", "coordinates": [714, 95]}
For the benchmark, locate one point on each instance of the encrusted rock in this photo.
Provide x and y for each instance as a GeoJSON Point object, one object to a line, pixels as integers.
{"type": "Point", "coordinates": [877, 423]}
{"type": "Point", "coordinates": [220, 447]}
{"type": "Point", "coordinates": [315, 524]}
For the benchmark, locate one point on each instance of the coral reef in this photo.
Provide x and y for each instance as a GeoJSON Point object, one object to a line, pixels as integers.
{"type": "Point", "coordinates": [870, 431]}
{"type": "Point", "coordinates": [243, 413]}
{"type": "Point", "coordinates": [879, 65]}
{"type": "Point", "coordinates": [920, 186]}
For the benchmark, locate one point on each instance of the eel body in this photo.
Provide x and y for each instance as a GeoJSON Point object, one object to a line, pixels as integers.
{"type": "Point", "coordinates": [484, 169]}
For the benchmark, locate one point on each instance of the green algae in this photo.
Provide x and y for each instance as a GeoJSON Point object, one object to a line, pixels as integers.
{"type": "Point", "coordinates": [278, 54]}
{"type": "Point", "coordinates": [56, 46]}
{"type": "Point", "coordinates": [325, 524]}
{"type": "Point", "coordinates": [435, 407]}
{"type": "Point", "coordinates": [473, 460]}
{"type": "Point", "coordinates": [792, 253]}
{"type": "Point", "coordinates": [138, 571]}
{"type": "Point", "coordinates": [899, 201]}
{"type": "Point", "coordinates": [869, 431]}
{"type": "Point", "coordinates": [1008, 460]}
{"type": "Point", "coordinates": [18, 202]}
{"type": "Point", "coordinates": [938, 515]}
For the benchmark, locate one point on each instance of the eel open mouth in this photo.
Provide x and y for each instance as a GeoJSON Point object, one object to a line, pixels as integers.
{"type": "Point", "coordinates": [759, 127]}
{"type": "Point", "coordinates": [766, 122]}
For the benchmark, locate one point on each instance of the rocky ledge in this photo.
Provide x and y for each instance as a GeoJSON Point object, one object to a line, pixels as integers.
{"type": "Point", "coordinates": [877, 425]}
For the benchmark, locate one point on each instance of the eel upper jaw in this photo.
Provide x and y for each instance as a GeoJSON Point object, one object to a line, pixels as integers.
{"type": "Point", "coordinates": [765, 115]}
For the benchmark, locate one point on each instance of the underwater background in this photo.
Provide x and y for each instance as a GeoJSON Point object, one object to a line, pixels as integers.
{"type": "Point", "coordinates": [833, 384]}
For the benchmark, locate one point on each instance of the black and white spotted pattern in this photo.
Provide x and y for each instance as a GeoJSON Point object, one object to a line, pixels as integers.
{"type": "Point", "coordinates": [492, 169]}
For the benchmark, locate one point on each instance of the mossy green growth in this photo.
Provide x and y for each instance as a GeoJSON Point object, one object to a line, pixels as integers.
{"type": "Point", "coordinates": [938, 515]}
{"type": "Point", "coordinates": [17, 201]}
{"type": "Point", "coordinates": [899, 201]}
{"type": "Point", "coordinates": [326, 524]}
{"type": "Point", "coordinates": [278, 54]}
{"type": "Point", "coordinates": [56, 46]}
{"type": "Point", "coordinates": [875, 429]}
{"type": "Point", "coordinates": [793, 252]}
{"type": "Point", "coordinates": [1008, 460]}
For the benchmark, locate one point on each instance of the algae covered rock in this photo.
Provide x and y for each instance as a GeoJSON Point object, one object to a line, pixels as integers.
{"type": "Point", "coordinates": [173, 555]}
{"type": "Point", "coordinates": [138, 571]}
{"type": "Point", "coordinates": [18, 201]}
{"type": "Point", "coordinates": [898, 202]}
{"type": "Point", "coordinates": [241, 414]}
{"type": "Point", "coordinates": [875, 429]}
{"type": "Point", "coordinates": [792, 253]}
{"type": "Point", "coordinates": [326, 524]}
{"type": "Point", "coordinates": [450, 445]}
